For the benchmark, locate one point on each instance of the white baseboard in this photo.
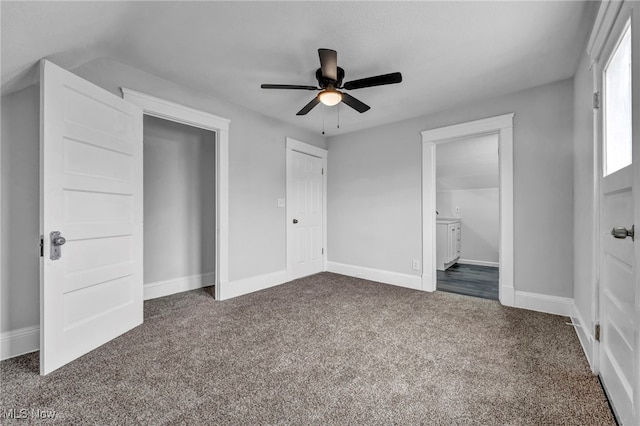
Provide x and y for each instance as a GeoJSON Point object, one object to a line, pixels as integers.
{"type": "Point", "coordinates": [178, 285]}
{"type": "Point", "coordinates": [507, 295]}
{"type": "Point", "coordinates": [544, 303]}
{"type": "Point", "coordinates": [249, 285]}
{"type": "Point", "coordinates": [386, 277]}
{"type": "Point", "coordinates": [19, 342]}
{"type": "Point", "coordinates": [479, 262]}
{"type": "Point", "coordinates": [428, 283]}
{"type": "Point", "coordinates": [445, 266]}
{"type": "Point", "coordinates": [584, 336]}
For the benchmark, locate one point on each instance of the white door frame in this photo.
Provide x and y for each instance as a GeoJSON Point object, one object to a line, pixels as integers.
{"type": "Point", "coordinates": [171, 111]}
{"type": "Point", "coordinates": [602, 28]}
{"type": "Point", "coordinates": [501, 125]}
{"type": "Point", "coordinates": [305, 148]}
{"type": "Point", "coordinates": [611, 15]}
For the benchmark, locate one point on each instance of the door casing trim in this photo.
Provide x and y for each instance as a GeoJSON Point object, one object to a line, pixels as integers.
{"type": "Point", "coordinates": [172, 111]}
{"type": "Point", "coordinates": [502, 125]}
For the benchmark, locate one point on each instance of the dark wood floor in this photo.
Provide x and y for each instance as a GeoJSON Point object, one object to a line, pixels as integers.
{"type": "Point", "coordinates": [471, 280]}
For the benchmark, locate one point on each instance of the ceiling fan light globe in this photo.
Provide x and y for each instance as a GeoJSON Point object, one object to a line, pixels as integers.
{"type": "Point", "coordinates": [330, 97]}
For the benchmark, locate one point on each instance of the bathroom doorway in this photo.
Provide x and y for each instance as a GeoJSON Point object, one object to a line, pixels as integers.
{"type": "Point", "coordinates": [468, 216]}
{"type": "Point", "coordinates": [502, 127]}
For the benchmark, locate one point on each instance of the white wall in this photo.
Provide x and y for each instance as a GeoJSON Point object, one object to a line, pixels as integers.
{"type": "Point", "coordinates": [19, 289]}
{"type": "Point", "coordinates": [179, 201]}
{"type": "Point", "coordinates": [256, 181]}
{"type": "Point", "coordinates": [374, 198]}
{"type": "Point", "coordinates": [467, 181]}
{"type": "Point", "coordinates": [374, 204]}
{"type": "Point", "coordinates": [469, 163]}
{"type": "Point", "coordinates": [479, 219]}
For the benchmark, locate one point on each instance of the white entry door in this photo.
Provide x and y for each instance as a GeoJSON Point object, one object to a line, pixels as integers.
{"type": "Point", "coordinates": [91, 195]}
{"type": "Point", "coordinates": [619, 202]}
{"type": "Point", "coordinates": [305, 214]}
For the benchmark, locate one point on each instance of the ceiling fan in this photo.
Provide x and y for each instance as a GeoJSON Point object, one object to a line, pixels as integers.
{"type": "Point", "coordinates": [330, 77]}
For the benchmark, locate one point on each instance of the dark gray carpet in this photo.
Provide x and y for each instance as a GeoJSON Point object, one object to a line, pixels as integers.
{"type": "Point", "coordinates": [326, 349]}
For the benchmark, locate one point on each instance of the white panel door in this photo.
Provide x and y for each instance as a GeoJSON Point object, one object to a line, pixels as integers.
{"type": "Point", "coordinates": [305, 223]}
{"type": "Point", "coordinates": [91, 193]}
{"type": "Point", "coordinates": [618, 277]}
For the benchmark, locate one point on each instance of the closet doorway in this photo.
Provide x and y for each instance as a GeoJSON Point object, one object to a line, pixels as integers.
{"type": "Point", "coordinates": [186, 192]}
{"type": "Point", "coordinates": [179, 207]}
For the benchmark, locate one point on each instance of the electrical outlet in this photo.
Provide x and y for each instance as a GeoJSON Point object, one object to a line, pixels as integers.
{"type": "Point", "coordinates": [457, 210]}
{"type": "Point", "coordinates": [416, 265]}
{"type": "Point", "coordinates": [281, 202]}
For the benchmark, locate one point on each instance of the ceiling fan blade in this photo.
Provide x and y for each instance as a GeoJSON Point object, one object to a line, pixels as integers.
{"type": "Point", "coordinates": [308, 107]}
{"type": "Point", "coordinates": [378, 80]}
{"type": "Point", "coordinates": [354, 103]}
{"type": "Point", "coordinates": [287, 86]}
{"type": "Point", "coordinates": [329, 63]}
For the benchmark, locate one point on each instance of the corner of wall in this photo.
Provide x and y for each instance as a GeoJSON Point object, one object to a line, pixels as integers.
{"type": "Point", "coordinates": [544, 303]}
{"type": "Point", "coordinates": [378, 275]}
{"type": "Point", "coordinates": [244, 286]}
{"type": "Point", "coordinates": [584, 336]}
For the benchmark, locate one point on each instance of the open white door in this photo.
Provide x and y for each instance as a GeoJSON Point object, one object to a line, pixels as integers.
{"type": "Point", "coordinates": [91, 193]}
{"type": "Point", "coordinates": [619, 209]}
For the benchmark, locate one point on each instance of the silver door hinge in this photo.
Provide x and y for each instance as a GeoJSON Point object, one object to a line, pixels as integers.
{"type": "Point", "coordinates": [322, 251]}
{"type": "Point", "coordinates": [597, 332]}
{"type": "Point", "coordinates": [323, 170]}
{"type": "Point", "coordinates": [596, 100]}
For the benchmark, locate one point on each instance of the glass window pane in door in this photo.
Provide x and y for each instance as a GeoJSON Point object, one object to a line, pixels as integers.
{"type": "Point", "coordinates": [617, 107]}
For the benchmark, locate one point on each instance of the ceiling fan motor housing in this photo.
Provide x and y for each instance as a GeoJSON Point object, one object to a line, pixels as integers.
{"type": "Point", "coordinates": [325, 82]}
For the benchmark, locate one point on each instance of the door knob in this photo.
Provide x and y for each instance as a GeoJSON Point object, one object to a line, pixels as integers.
{"type": "Point", "coordinates": [295, 220]}
{"type": "Point", "coordinates": [622, 232]}
{"type": "Point", "coordinates": [57, 241]}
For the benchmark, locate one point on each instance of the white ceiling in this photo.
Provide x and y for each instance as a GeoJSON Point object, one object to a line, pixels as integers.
{"type": "Point", "coordinates": [449, 53]}
{"type": "Point", "coordinates": [470, 163]}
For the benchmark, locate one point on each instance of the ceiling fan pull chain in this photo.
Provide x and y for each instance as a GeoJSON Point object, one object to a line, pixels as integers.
{"type": "Point", "coordinates": [323, 119]}
{"type": "Point", "coordinates": [338, 116]}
